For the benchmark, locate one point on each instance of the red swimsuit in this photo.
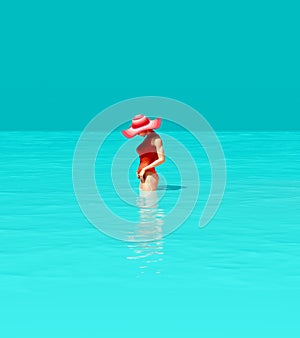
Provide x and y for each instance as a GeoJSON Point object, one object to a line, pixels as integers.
{"type": "Point", "coordinates": [148, 154]}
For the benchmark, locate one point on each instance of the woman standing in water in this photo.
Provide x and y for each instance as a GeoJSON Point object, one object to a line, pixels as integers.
{"type": "Point", "coordinates": [150, 151]}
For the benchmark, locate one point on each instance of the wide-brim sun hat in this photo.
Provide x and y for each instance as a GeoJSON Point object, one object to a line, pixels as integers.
{"type": "Point", "coordinates": [140, 123]}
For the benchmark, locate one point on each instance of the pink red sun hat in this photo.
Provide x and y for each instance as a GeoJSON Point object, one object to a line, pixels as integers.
{"type": "Point", "coordinates": [140, 123]}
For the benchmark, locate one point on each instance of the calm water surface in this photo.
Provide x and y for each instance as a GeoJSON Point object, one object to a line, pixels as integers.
{"type": "Point", "coordinates": [237, 277]}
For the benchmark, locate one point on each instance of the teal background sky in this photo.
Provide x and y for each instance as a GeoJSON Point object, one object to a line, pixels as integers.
{"type": "Point", "coordinates": [236, 62]}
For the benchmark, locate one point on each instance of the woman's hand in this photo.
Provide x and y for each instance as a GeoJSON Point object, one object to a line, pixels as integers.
{"type": "Point", "coordinates": [141, 175]}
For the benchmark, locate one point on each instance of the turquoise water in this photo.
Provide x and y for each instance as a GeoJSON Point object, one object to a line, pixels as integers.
{"type": "Point", "coordinates": [237, 277]}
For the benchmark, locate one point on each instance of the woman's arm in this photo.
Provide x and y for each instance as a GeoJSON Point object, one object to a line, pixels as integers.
{"type": "Point", "coordinates": [160, 152]}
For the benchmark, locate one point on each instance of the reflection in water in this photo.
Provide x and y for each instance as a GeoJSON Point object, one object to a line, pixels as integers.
{"type": "Point", "coordinates": [148, 241]}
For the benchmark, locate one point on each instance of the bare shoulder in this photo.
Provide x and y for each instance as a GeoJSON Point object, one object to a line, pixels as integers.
{"type": "Point", "coordinates": [157, 141]}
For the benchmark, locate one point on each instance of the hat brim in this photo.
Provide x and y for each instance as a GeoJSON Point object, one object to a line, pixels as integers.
{"type": "Point", "coordinates": [131, 132]}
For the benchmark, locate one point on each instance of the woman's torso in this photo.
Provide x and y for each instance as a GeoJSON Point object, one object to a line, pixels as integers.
{"type": "Point", "coordinates": [147, 153]}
